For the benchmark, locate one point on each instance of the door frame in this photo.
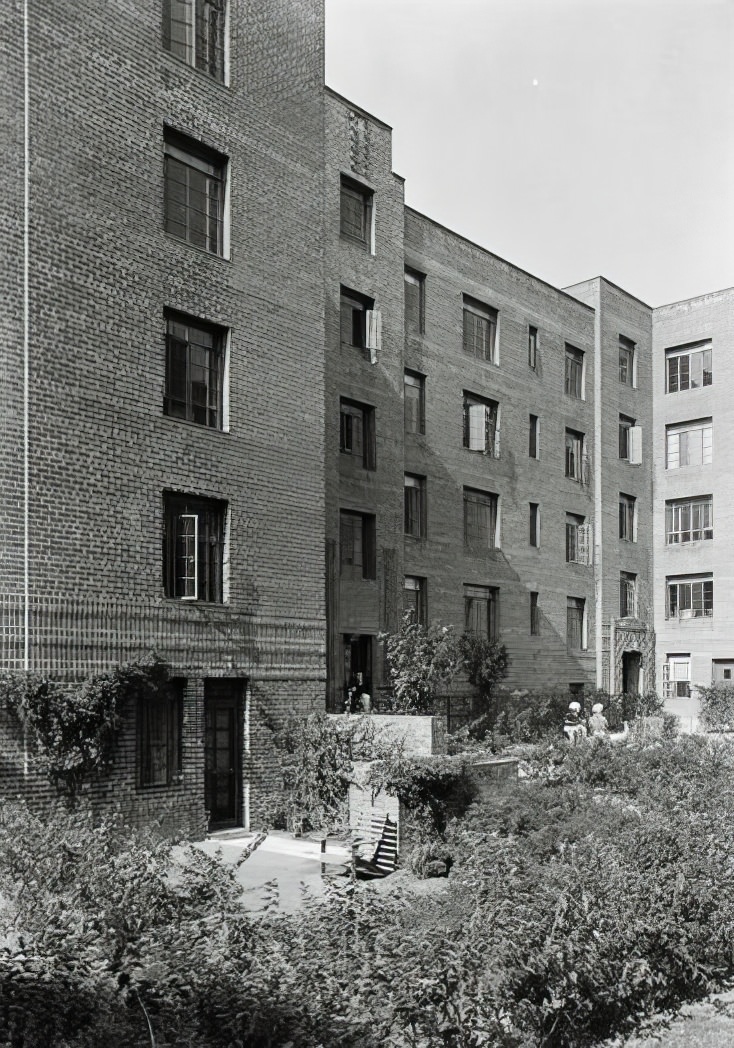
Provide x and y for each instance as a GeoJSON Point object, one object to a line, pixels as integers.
{"type": "Point", "coordinates": [232, 692]}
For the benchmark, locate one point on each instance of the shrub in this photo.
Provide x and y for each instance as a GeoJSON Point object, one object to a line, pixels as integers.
{"type": "Point", "coordinates": [421, 660]}
{"type": "Point", "coordinates": [717, 707]}
{"type": "Point", "coordinates": [433, 789]}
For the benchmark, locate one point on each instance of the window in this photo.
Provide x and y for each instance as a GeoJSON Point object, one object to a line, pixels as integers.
{"type": "Point", "coordinates": [627, 517]}
{"type": "Point", "coordinates": [360, 323]}
{"type": "Point", "coordinates": [194, 31]}
{"type": "Point", "coordinates": [415, 506]}
{"type": "Point", "coordinates": [576, 624]}
{"type": "Point", "coordinates": [414, 302]}
{"type": "Point", "coordinates": [193, 548]}
{"type": "Point", "coordinates": [480, 330]}
{"type": "Point", "coordinates": [677, 677]}
{"type": "Point", "coordinates": [532, 347]}
{"type": "Point", "coordinates": [574, 382]}
{"type": "Point", "coordinates": [689, 444]}
{"type": "Point", "coordinates": [574, 455]}
{"type": "Point", "coordinates": [159, 723]}
{"type": "Point", "coordinates": [689, 520]}
{"type": "Point", "coordinates": [690, 597]}
{"type": "Point", "coordinates": [627, 362]}
{"type": "Point", "coordinates": [357, 432]}
{"type": "Point", "coordinates": [534, 437]}
{"type": "Point", "coordinates": [578, 546]}
{"type": "Point", "coordinates": [534, 615]}
{"type": "Point", "coordinates": [357, 545]}
{"type": "Point", "coordinates": [194, 371]}
{"type": "Point", "coordinates": [194, 180]}
{"type": "Point", "coordinates": [534, 524]}
{"type": "Point", "coordinates": [627, 595]}
{"type": "Point", "coordinates": [480, 519]}
{"type": "Point", "coordinates": [481, 425]}
{"type": "Point", "coordinates": [688, 367]}
{"type": "Point", "coordinates": [481, 611]}
{"type": "Point", "coordinates": [625, 425]}
{"type": "Point", "coordinates": [356, 211]}
{"type": "Point", "coordinates": [414, 598]}
{"type": "Point", "coordinates": [414, 390]}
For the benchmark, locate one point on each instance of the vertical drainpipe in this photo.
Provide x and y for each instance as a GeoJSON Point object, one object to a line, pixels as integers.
{"type": "Point", "coordinates": [598, 445]}
{"type": "Point", "coordinates": [26, 355]}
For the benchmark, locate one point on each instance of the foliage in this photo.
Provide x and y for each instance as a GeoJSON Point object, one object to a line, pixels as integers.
{"type": "Point", "coordinates": [316, 759]}
{"type": "Point", "coordinates": [421, 660]}
{"type": "Point", "coordinates": [434, 789]}
{"type": "Point", "coordinates": [429, 858]}
{"type": "Point", "coordinates": [485, 663]}
{"type": "Point", "coordinates": [717, 706]}
{"type": "Point", "coordinates": [73, 730]}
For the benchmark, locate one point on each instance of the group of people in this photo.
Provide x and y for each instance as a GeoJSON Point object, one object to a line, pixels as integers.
{"type": "Point", "coordinates": [576, 726]}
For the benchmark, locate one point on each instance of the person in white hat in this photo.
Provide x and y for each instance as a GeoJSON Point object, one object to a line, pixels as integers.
{"type": "Point", "coordinates": [598, 724]}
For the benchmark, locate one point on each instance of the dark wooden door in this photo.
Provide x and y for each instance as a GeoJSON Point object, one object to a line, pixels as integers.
{"type": "Point", "coordinates": [223, 787]}
{"type": "Point", "coordinates": [631, 672]}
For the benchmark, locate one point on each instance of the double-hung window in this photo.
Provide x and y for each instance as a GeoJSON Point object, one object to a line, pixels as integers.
{"type": "Point", "coordinates": [360, 323]}
{"type": "Point", "coordinates": [689, 520]}
{"type": "Point", "coordinates": [415, 506]}
{"type": "Point", "coordinates": [690, 597]}
{"type": "Point", "coordinates": [193, 548]}
{"type": "Point", "coordinates": [627, 362]}
{"type": "Point", "coordinates": [688, 367]}
{"type": "Point", "coordinates": [195, 357]}
{"type": "Point", "coordinates": [194, 184]}
{"type": "Point", "coordinates": [577, 540]}
{"type": "Point", "coordinates": [414, 393]}
{"type": "Point", "coordinates": [576, 624]}
{"type": "Point", "coordinates": [355, 216]}
{"type": "Point", "coordinates": [677, 676]}
{"type": "Point", "coordinates": [481, 519]}
{"type": "Point", "coordinates": [627, 595]}
{"type": "Point", "coordinates": [689, 444]}
{"type": "Point", "coordinates": [357, 432]}
{"type": "Point", "coordinates": [159, 729]}
{"type": "Point", "coordinates": [194, 30]}
{"type": "Point", "coordinates": [574, 455]}
{"type": "Point", "coordinates": [414, 598]}
{"type": "Point", "coordinates": [414, 302]}
{"type": "Point", "coordinates": [481, 611]}
{"type": "Point", "coordinates": [480, 330]}
{"type": "Point", "coordinates": [574, 375]}
{"type": "Point", "coordinates": [481, 425]}
{"type": "Point", "coordinates": [627, 517]}
{"type": "Point", "coordinates": [357, 545]}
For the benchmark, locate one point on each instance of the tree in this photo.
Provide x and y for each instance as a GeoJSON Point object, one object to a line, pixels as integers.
{"type": "Point", "coordinates": [421, 660]}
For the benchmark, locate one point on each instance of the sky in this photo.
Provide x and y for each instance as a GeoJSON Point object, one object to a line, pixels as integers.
{"type": "Point", "coordinates": [571, 137]}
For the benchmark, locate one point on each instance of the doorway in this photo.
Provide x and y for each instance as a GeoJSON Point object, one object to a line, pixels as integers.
{"type": "Point", "coordinates": [357, 668]}
{"type": "Point", "coordinates": [631, 661]}
{"type": "Point", "coordinates": [223, 703]}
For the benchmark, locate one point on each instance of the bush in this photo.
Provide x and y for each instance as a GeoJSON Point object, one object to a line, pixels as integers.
{"type": "Point", "coordinates": [717, 707]}
{"type": "Point", "coordinates": [433, 789]}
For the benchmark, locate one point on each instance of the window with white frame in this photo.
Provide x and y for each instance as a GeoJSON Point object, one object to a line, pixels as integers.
{"type": "Point", "coordinates": [689, 520]}
{"type": "Point", "coordinates": [360, 323]}
{"type": "Point", "coordinates": [690, 597]}
{"type": "Point", "coordinates": [194, 192]}
{"type": "Point", "coordinates": [195, 371]}
{"type": "Point", "coordinates": [627, 362]}
{"type": "Point", "coordinates": [355, 214]}
{"type": "Point", "coordinates": [578, 544]}
{"type": "Point", "coordinates": [481, 425]}
{"type": "Point", "coordinates": [677, 676]}
{"type": "Point", "coordinates": [689, 444]}
{"type": "Point", "coordinates": [627, 517]}
{"type": "Point", "coordinates": [481, 611]}
{"type": "Point", "coordinates": [414, 488]}
{"type": "Point", "coordinates": [193, 547]}
{"type": "Point", "coordinates": [481, 519]}
{"type": "Point", "coordinates": [688, 367]}
{"type": "Point", "coordinates": [357, 432]}
{"type": "Point", "coordinates": [576, 624]}
{"type": "Point", "coordinates": [627, 595]}
{"type": "Point", "coordinates": [194, 30]}
{"type": "Point", "coordinates": [575, 455]}
{"type": "Point", "coordinates": [414, 598]}
{"type": "Point", "coordinates": [574, 374]}
{"type": "Point", "coordinates": [480, 330]}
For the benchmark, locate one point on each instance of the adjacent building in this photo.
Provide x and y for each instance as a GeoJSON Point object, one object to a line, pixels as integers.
{"type": "Point", "coordinates": [254, 408]}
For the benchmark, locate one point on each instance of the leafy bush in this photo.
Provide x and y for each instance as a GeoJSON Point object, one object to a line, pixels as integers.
{"type": "Point", "coordinates": [434, 789]}
{"type": "Point", "coordinates": [73, 730]}
{"type": "Point", "coordinates": [717, 707]}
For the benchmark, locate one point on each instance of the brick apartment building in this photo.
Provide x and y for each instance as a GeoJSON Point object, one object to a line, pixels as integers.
{"type": "Point", "coordinates": [230, 347]}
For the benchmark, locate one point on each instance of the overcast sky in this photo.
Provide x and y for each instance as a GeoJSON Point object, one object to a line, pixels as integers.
{"type": "Point", "coordinates": [571, 137]}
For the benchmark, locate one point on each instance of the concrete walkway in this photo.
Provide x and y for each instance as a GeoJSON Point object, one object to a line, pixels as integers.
{"type": "Point", "coordinates": [280, 869]}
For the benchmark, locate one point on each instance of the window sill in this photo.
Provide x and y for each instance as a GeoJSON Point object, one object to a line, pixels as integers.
{"type": "Point", "coordinates": [226, 259]}
{"type": "Point", "coordinates": [205, 77]}
{"type": "Point", "coordinates": [365, 244]}
{"type": "Point", "coordinates": [187, 602]}
{"type": "Point", "coordinates": [196, 425]}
